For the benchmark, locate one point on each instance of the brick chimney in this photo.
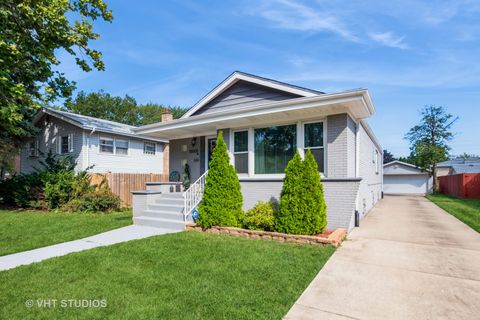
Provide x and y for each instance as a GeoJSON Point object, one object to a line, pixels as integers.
{"type": "Point", "coordinates": [166, 115]}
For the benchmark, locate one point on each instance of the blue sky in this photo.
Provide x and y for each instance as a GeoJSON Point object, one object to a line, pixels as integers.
{"type": "Point", "coordinates": [407, 53]}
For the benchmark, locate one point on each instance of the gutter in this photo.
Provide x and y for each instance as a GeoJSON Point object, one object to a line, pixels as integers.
{"type": "Point", "coordinates": [299, 103]}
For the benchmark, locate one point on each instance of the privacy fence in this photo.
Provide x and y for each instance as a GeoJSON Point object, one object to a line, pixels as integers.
{"type": "Point", "coordinates": [122, 184]}
{"type": "Point", "coordinates": [466, 185]}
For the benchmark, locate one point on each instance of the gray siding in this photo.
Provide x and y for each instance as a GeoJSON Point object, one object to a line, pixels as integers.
{"type": "Point", "coordinates": [51, 129]}
{"type": "Point", "coordinates": [134, 162]}
{"type": "Point", "coordinates": [339, 196]}
{"type": "Point", "coordinates": [196, 160]}
{"type": "Point", "coordinates": [371, 186]}
{"type": "Point", "coordinates": [243, 94]}
{"type": "Point", "coordinates": [340, 146]}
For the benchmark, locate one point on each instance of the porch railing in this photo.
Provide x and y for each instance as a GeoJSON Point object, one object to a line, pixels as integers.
{"type": "Point", "coordinates": [193, 195]}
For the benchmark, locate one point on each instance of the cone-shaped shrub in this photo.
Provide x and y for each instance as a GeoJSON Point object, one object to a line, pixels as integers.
{"type": "Point", "coordinates": [290, 215]}
{"type": "Point", "coordinates": [315, 215]}
{"type": "Point", "coordinates": [302, 204]}
{"type": "Point", "coordinates": [222, 200]}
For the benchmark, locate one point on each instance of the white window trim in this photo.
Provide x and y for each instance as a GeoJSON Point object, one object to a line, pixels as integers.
{"type": "Point", "coordinates": [36, 151]}
{"type": "Point", "coordinates": [251, 147]}
{"type": "Point", "coordinates": [69, 142]}
{"type": "Point", "coordinates": [324, 147]}
{"type": "Point", "coordinates": [100, 145]}
{"type": "Point", "coordinates": [154, 147]}
{"type": "Point", "coordinates": [128, 147]}
{"type": "Point", "coordinates": [233, 153]}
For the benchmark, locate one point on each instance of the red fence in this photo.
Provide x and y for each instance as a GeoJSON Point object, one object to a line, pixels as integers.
{"type": "Point", "coordinates": [466, 185]}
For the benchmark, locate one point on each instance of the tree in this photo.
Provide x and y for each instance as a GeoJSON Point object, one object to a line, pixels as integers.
{"type": "Point", "coordinates": [33, 32]}
{"type": "Point", "coordinates": [222, 200]}
{"type": "Point", "coordinates": [429, 139]}
{"type": "Point", "coordinates": [467, 156]}
{"type": "Point", "coordinates": [387, 157]}
{"type": "Point", "coordinates": [124, 110]}
{"type": "Point", "coordinates": [8, 152]}
{"type": "Point", "coordinates": [104, 106]}
{"type": "Point", "coordinates": [290, 213]}
{"type": "Point", "coordinates": [315, 212]}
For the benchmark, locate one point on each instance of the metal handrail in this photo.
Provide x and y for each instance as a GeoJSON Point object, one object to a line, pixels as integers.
{"type": "Point", "coordinates": [193, 195]}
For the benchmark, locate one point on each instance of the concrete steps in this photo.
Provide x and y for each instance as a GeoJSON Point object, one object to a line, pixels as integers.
{"type": "Point", "coordinates": [165, 213]}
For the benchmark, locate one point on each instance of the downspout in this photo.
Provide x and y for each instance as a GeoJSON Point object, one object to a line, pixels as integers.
{"type": "Point", "coordinates": [88, 147]}
{"type": "Point", "coordinates": [357, 172]}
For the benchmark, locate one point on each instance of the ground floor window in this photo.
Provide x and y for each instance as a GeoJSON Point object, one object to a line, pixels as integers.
{"type": "Point", "coordinates": [314, 140]}
{"type": "Point", "coordinates": [273, 148]}
{"type": "Point", "coordinates": [240, 151]}
{"type": "Point", "coordinates": [149, 148]}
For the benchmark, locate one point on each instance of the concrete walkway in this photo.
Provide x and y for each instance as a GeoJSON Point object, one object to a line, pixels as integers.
{"type": "Point", "coordinates": [103, 239]}
{"type": "Point", "coordinates": [408, 260]}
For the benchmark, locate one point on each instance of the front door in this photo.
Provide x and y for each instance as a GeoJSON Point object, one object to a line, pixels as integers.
{"type": "Point", "coordinates": [211, 143]}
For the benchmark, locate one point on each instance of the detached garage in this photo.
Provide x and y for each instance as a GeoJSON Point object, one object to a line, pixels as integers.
{"type": "Point", "coordinates": [404, 178]}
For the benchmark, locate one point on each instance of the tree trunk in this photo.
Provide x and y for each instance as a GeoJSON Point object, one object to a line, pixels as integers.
{"type": "Point", "coordinates": [434, 172]}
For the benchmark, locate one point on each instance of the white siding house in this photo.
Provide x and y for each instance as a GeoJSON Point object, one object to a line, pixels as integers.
{"type": "Point", "coordinates": [99, 145]}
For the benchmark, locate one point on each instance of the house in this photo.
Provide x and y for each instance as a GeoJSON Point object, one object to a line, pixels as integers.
{"type": "Point", "coordinates": [101, 145]}
{"type": "Point", "coordinates": [458, 165]}
{"type": "Point", "coordinates": [264, 122]}
{"type": "Point", "coordinates": [405, 178]}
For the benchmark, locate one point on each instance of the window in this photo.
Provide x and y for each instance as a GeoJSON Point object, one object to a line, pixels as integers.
{"type": "Point", "coordinates": [149, 148]}
{"type": "Point", "coordinates": [65, 144]}
{"type": "Point", "coordinates": [377, 163]}
{"type": "Point", "coordinates": [121, 147]}
{"type": "Point", "coordinates": [106, 145]}
{"type": "Point", "coordinates": [240, 151]}
{"type": "Point", "coordinates": [313, 140]}
{"type": "Point", "coordinates": [33, 149]}
{"type": "Point", "coordinates": [274, 147]}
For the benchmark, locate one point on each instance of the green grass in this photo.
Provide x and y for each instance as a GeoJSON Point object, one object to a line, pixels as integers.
{"type": "Point", "coordinates": [25, 230]}
{"type": "Point", "coordinates": [466, 210]}
{"type": "Point", "coordinates": [187, 275]}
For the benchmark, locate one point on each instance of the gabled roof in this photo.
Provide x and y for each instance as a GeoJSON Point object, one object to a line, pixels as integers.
{"type": "Point", "coordinates": [238, 76]}
{"type": "Point", "coordinates": [94, 124]}
{"type": "Point", "coordinates": [401, 163]}
{"type": "Point", "coordinates": [459, 161]}
{"type": "Point", "coordinates": [466, 168]}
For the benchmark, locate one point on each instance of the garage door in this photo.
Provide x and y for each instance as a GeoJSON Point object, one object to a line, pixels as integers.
{"type": "Point", "coordinates": [405, 184]}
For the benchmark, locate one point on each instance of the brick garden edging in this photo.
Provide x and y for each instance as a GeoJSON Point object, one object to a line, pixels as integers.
{"type": "Point", "coordinates": [334, 239]}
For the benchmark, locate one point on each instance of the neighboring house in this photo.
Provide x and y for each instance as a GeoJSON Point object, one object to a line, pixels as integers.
{"type": "Point", "coordinates": [264, 122]}
{"type": "Point", "coordinates": [106, 146]}
{"type": "Point", "coordinates": [405, 178]}
{"type": "Point", "coordinates": [459, 165]}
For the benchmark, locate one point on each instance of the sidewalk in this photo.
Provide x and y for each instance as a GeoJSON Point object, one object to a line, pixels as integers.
{"type": "Point", "coordinates": [103, 239]}
{"type": "Point", "coordinates": [408, 260]}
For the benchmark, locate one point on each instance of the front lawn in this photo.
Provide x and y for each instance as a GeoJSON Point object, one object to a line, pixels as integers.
{"type": "Point", "coordinates": [186, 275]}
{"type": "Point", "coordinates": [26, 230]}
{"type": "Point", "coordinates": [466, 210]}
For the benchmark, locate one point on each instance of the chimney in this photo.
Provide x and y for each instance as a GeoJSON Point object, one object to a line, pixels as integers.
{"type": "Point", "coordinates": [166, 115]}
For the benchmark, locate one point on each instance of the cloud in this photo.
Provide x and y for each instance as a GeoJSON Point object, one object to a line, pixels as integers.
{"type": "Point", "coordinates": [290, 15]}
{"type": "Point", "coordinates": [388, 39]}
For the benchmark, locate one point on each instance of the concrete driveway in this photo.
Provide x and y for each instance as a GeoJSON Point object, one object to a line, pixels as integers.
{"type": "Point", "coordinates": [408, 260]}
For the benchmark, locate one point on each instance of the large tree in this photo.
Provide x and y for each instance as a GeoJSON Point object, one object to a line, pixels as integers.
{"type": "Point", "coordinates": [32, 34]}
{"type": "Point", "coordinates": [104, 106]}
{"type": "Point", "coordinates": [388, 157]}
{"type": "Point", "coordinates": [429, 139]}
{"type": "Point", "coordinates": [120, 109]}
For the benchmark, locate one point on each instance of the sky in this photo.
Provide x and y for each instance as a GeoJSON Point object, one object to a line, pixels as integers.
{"type": "Point", "coordinates": [408, 54]}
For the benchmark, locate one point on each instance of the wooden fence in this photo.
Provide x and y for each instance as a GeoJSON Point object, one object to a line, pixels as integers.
{"type": "Point", "coordinates": [466, 185]}
{"type": "Point", "coordinates": [122, 184]}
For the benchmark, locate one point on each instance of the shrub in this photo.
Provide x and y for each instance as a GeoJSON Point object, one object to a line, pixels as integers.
{"type": "Point", "coordinates": [101, 199]}
{"type": "Point", "coordinates": [222, 199]}
{"type": "Point", "coordinates": [260, 217]}
{"type": "Point", "coordinates": [302, 204]}
{"type": "Point", "coordinates": [291, 208]}
{"type": "Point", "coordinates": [315, 214]}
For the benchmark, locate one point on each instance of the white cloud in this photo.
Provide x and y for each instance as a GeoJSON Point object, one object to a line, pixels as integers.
{"type": "Point", "coordinates": [288, 14]}
{"type": "Point", "coordinates": [388, 39]}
